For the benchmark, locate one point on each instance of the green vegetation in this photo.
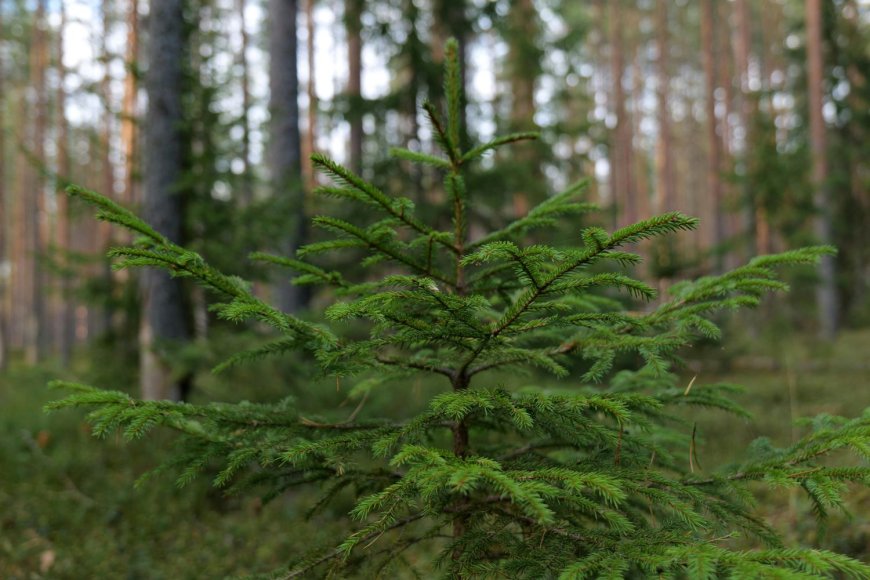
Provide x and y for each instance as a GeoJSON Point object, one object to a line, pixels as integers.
{"type": "Point", "coordinates": [596, 475]}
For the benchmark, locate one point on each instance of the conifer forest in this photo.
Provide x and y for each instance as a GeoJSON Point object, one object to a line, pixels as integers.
{"type": "Point", "coordinates": [539, 289]}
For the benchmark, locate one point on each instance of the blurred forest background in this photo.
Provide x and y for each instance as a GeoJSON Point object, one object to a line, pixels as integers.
{"type": "Point", "coordinates": [753, 115]}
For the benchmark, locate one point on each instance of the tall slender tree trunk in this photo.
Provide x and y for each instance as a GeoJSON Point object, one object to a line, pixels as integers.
{"type": "Point", "coordinates": [664, 163]}
{"type": "Point", "coordinates": [826, 292]}
{"type": "Point", "coordinates": [165, 318]}
{"type": "Point", "coordinates": [4, 254]}
{"type": "Point", "coordinates": [247, 182]}
{"type": "Point", "coordinates": [284, 150]}
{"type": "Point", "coordinates": [129, 109]}
{"type": "Point", "coordinates": [745, 111]}
{"type": "Point", "coordinates": [34, 329]}
{"type": "Point", "coordinates": [714, 184]}
{"type": "Point", "coordinates": [21, 291]}
{"type": "Point", "coordinates": [621, 155]}
{"type": "Point", "coordinates": [63, 309]}
{"type": "Point", "coordinates": [311, 132]}
{"type": "Point", "coordinates": [524, 68]}
{"type": "Point", "coordinates": [103, 315]}
{"type": "Point", "coordinates": [353, 26]}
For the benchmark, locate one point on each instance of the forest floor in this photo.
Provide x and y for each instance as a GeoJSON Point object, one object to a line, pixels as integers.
{"type": "Point", "coordinates": [69, 507]}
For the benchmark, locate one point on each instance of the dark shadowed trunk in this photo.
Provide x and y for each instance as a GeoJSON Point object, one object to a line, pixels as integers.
{"type": "Point", "coordinates": [164, 315]}
{"type": "Point", "coordinates": [284, 146]}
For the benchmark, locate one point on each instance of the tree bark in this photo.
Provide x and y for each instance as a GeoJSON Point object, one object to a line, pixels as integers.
{"type": "Point", "coordinates": [353, 26]}
{"type": "Point", "coordinates": [714, 184]}
{"type": "Point", "coordinates": [311, 130]}
{"type": "Point", "coordinates": [164, 315]}
{"type": "Point", "coordinates": [621, 154]}
{"type": "Point", "coordinates": [63, 309]}
{"type": "Point", "coordinates": [664, 163]}
{"type": "Point", "coordinates": [284, 148]}
{"type": "Point", "coordinates": [524, 68]}
{"type": "Point", "coordinates": [129, 110]}
{"type": "Point", "coordinates": [4, 254]}
{"type": "Point", "coordinates": [246, 195]}
{"type": "Point", "coordinates": [35, 196]}
{"type": "Point", "coordinates": [826, 292]}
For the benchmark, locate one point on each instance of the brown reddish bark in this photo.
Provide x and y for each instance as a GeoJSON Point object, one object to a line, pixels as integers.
{"type": "Point", "coordinates": [4, 254]}
{"type": "Point", "coordinates": [664, 163]}
{"type": "Point", "coordinates": [714, 184]}
{"type": "Point", "coordinates": [63, 313]}
{"type": "Point", "coordinates": [621, 151]}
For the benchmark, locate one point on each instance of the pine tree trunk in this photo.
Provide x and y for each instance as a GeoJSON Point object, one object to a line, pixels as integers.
{"type": "Point", "coordinates": [284, 149]}
{"type": "Point", "coordinates": [4, 253]}
{"type": "Point", "coordinates": [63, 309]}
{"type": "Point", "coordinates": [246, 195]}
{"type": "Point", "coordinates": [129, 112]}
{"type": "Point", "coordinates": [311, 130]}
{"type": "Point", "coordinates": [164, 315]}
{"type": "Point", "coordinates": [664, 164]}
{"type": "Point", "coordinates": [353, 26]}
{"type": "Point", "coordinates": [714, 185]}
{"type": "Point", "coordinates": [523, 77]}
{"type": "Point", "coordinates": [107, 173]}
{"type": "Point", "coordinates": [35, 196]}
{"type": "Point", "coordinates": [742, 47]}
{"type": "Point", "coordinates": [826, 292]}
{"type": "Point", "coordinates": [621, 155]}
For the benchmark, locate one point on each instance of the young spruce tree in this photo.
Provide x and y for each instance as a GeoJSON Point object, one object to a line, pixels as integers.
{"type": "Point", "coordinates": [584, 476]}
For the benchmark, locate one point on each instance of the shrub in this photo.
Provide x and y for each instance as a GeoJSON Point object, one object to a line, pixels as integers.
{"type": "Point", "coordinates": [591, 475]}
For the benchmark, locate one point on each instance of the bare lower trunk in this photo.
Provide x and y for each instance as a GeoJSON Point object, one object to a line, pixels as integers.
{"type": "Point", "coordinates": [621, 149]}
{"type": "Point", "coordinates": [714, 184]}
{"type": "Point", "coordinates": [63, 310]}
{"type": "Point", "coordinates": [353, 25]}
{"type": "Point", "coordinates": [826, 292]}
{"type": "Point", "coordinates": [284, 152]}
{"type": "Point", "coordinates": [164, 313]}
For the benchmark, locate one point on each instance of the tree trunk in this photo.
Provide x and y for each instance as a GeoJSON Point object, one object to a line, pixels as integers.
{"type": "Point", "coordinates": [35, 208]}
{"type": "Point", "coordinates": [246, 194]}
{"type": "Point", "coordinates": [63, 309]}
{"type": "Point", "coordinates": [664, 164]}
{"type": "Point", "coordinates": [353, 26]}
{"type": "Point", "coordinates": [129, 112]}
{"type": "Point", "coordinates": [524, 69]}
{"type": "Point", "coordinates": [714, 185]}
{"type": "Point", "coordinates": [164, 315]}
{"type": "Point", "coordinates": [284, 148]}
{"type": "Point", "coordinates": [621, 155]}
{"type": "Point", "coordinates": [311, 132]}
{"type": "Point", "coordinates": [4, 254]}
{"type": "Point", "coordinates": [826, 292]}
{"type": "Point", "coordinates": [742, 47]}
